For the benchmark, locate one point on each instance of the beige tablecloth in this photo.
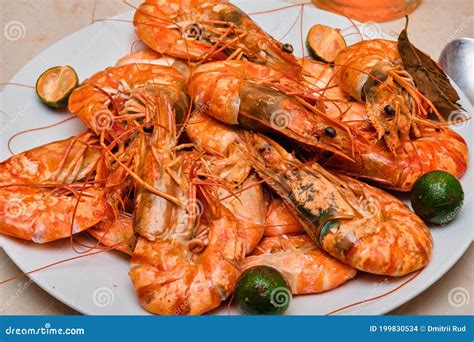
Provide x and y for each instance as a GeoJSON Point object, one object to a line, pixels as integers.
{"type": "Point", "coordinates": [43, 22]}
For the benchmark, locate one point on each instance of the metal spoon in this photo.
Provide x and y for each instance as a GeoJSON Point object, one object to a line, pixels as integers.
{"type": "Point", "coordinates": [457, 60]}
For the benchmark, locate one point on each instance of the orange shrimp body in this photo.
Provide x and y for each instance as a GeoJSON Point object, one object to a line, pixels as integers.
{"type": "Point", "coordinates": [304, 265]}
{"type": "Point", "coordinates": [387, 239]}
{"type": "Point", "coordinates": [42, 197]}
{"type": "Point", "coordinates": [120, 98]}
{"type": "Point", "coordinates": [355, 64]}
{"type": "Point", "coordinates": [149, 56]}
{"type": "Point", "coordinates": [371, 71]}
{"type": "Point", "coordinates": [243, 195]}
{"type": "Point", "coordinates": [187, 256]}
{"type": "Point", "coordinates": [117, 232]}
{"type": "Point", "coordinates": [434, 147]}
{"type": "Point", "coordinates": [159, 166]}
{"type": "Point", "coordinates": [248, 206]}
{"type": "Point", "coordinates": [280, 220]}
{"type": "Point", "coordinates": [207, 30]}
{"type": "Point", "coordinates": [248, 94]}
{"type": "Point", "coordinates": [171, 278]}
{"type": "Point", "coordinates": [360, 225]}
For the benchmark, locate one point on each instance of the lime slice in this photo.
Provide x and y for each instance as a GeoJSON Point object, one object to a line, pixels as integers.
{"type": "Point", "coordinates": [55, 85]}
{"type": "Point", "coordinates": [324, 43]}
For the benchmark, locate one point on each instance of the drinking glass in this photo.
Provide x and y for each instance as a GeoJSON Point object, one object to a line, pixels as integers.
{"type": "Point", "coordinates": [369, 10]}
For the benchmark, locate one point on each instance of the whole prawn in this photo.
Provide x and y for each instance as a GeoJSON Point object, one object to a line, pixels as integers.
{"type": "Point", "coordinates": [430, 145]}
{"type": "Point", "coordinates": [186, 258]}
{"type": "Point", "coordinates": [242, 195]}
{"type": "Point", "coordinates": [308, 269]}
{"type": "Point", "coordinates": [115, 100]}
{"type": "Point", "coordinates": [207, 30]}
{"type": "Point", "coordinates": [360, 225]}
{"type": "Point", "coordinates": [57, 189]}
{"type": "Point", "coordinates": [254, 97]}
{"type": "Point", "coordinates": [371, 71]}
{"type": "Point", "coordinates": [171, 279]}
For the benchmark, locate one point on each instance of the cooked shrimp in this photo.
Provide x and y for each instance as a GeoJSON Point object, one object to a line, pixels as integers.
{"type": "Point", "coordinates": [45, 195]}
{"type": "Point", "coordinates": [159, 166]}
{"type": "Point", "coordinates": [243, 195]}
{"type": "Point", "coordinates": [434, 147]}
{"type": "Point", "coordinates": [186, 261]}
{"type": "Point", "coordinates": [172, 277]}
{"type": "Point", "coordinates": [149, 56]}
{"type": "Point", "coordinates": [304, 265]}
{"type": "Point", "coordinates": [206, 30]}
{"type": "Point", "coordinates": [116, 232]}
{"type": "Point", "coordinates": [120, 98]}
{"type": "Point", "coordinates": [360, 225]}
{"type": "Point", "coordinates": [372, 72]}
{"type": "Point", "coordinates": [280, 220]}
{"type": "Point", "coordinates": [248, 94]}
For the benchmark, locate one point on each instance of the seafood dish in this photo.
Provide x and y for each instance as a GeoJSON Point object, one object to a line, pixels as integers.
{"type": "Point", "coordinates": [227, 169]}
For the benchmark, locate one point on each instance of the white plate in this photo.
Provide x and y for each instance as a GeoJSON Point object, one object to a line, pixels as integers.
{"type": "Point", "coordinates": [99, 284]}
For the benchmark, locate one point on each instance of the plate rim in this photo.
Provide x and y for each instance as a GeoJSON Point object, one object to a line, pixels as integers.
{"type": "Point", "coordinates": [395, 302]}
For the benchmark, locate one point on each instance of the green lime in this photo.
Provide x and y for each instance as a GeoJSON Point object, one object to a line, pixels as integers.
{"type": "Point", "coordinates": [437, 197]}
{"type": "Point", "coordinates": [262, 290]}
{"type": "Point", "coordinates": [324, 43]}
{"type": "Point", "coordinates": [55, 85]}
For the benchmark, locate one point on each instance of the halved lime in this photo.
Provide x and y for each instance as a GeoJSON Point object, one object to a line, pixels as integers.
{"type": "Point", "coordinates": [55, 85]}
{"type": "Point", "coordinates": [324, 43]}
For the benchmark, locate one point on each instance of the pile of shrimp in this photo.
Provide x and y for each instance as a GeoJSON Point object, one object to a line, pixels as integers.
{"type": "Point", "coordinates": [216, 149]}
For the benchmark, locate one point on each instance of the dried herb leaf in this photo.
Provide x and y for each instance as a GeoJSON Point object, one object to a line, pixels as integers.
{"type": "Point", "coordinates": [428, 76]}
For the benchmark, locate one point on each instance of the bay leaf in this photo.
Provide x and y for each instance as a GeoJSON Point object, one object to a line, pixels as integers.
{"type": "Point", "coordinates": [430, 80]}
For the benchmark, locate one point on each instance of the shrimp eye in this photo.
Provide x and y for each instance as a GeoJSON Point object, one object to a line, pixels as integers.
{"type": "Point", "coordinates": [330, 132]}
{"type": "Point", "coordinates": [288, 48]}
{"type": "Point", "coordinates": [389, 110]}
{"type": "Point", "coordinates": [148, 129]}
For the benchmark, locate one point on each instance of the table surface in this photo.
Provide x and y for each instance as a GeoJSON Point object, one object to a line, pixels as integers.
{"type": "Point", "coordinates": [432, 25]}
